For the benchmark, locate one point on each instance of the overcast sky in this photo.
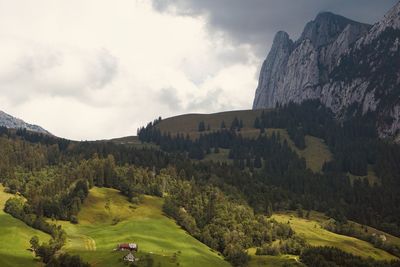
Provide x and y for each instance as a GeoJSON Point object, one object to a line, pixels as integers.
{"type": "Point", "coordinates": [94, 69]}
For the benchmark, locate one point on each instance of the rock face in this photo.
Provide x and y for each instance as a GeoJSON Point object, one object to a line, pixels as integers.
{"type": "Point", "coordinates": [9, 121]}
{"type": "Point", "coordinates": [351, 67]}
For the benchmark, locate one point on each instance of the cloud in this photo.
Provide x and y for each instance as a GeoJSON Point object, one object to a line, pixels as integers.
{"type": "Point", "coordinates": [31, 69]}
{"type": "Point", "coordinates": [255, 22]}
{"type": "Point", "coordinates": [89, 69]}
{"type": "Point", "coordinates": [169, 97]}
{"type": "Point", "coordinates": [96, 69]}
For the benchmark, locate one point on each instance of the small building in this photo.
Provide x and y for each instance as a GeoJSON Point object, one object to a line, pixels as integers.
{"type": "Point", "coordinates": [129, 257]}
{"type": "Point", "coordinates": [127, 246]}
{"type": "Point", "coordinates": [383, 237]}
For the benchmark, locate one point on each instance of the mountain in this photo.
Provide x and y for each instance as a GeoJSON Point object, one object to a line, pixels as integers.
{"type": "Point", "coordinates": [11, 122]}
{"type": "Point", "coordinates": [351, 67]}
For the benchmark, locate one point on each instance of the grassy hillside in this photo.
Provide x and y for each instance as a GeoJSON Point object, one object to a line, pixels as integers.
{"type": "Point", "coordinates": [189, 123]}
{"type": "Point", "coordinates": [107, 219]}
{"type": "Point", "coordinates": [316, 152]}
{"type": "Point", "coordinates": [315, 235]}
{"type": "Point", "coordinates": [271, 261]}
{"type": "Point", "coordinates": [14, 238]}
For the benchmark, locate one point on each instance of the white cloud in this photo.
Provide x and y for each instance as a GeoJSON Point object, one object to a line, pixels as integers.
{"type": "Point", "coordinates": [100, 69]}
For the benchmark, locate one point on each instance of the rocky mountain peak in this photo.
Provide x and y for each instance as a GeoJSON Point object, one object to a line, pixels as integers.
{"type": "Point", "coordinates": [326, 27]}
{"type": "Point", "coordinates": [282, 41]}
{"type": "Point", "coordinates": [351, 67]}
{"type": "Point", "coordinates": [11, 122]}
{"type": "Point", "coordinates": [281, 37]}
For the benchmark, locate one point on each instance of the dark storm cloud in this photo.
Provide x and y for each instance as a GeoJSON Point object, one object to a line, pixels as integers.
{"type": "Point", "coordinates": [255, 22]}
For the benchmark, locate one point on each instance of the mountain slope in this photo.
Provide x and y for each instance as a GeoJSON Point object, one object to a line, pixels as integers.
{"type": "Point", "coordinates": [108, 219]}
{"type": "Point", "coordinates": [9, 121]}
{"type": "Point", "coordinates": [14, 238]}
{"type": "Point", "coordinates": [351, 67]}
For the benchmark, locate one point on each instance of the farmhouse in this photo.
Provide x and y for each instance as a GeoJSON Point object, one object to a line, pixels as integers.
{"type": "Point", "coordinates": [127, 246]}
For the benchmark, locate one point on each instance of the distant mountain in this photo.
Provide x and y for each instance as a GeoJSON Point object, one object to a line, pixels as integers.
{"type": "Point", "coordinates": [351, 67]}
{"type": "Point", "coordinates": [9, 121]}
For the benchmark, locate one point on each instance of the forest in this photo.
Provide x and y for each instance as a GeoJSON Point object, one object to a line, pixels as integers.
{"type": "Point", "coordinates": [226, 206]}
{"type": "Point", "coordinates": [269, 163]}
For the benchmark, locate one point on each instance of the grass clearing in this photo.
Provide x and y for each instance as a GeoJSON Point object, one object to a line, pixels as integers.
{"type": "Point", "coordinates": [316, 152]}
{"type": "Point", "coordinates": [222, 156]}
{"type": "Point", "coordinates": [315, 235]}
{"type": "Point", "coordinates": [270, 261]}
{"type": "Point", "coordinates": [133, 141]}
{"type": "Point", "coordinates": [14, 238]}
{"type": "Point", "coordinates": [98, 233]}
{"type": "Point", "coordinates": [371, 176]}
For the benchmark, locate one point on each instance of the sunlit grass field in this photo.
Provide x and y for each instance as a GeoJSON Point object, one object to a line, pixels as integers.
{"type": "Point", "coordinates": [107, 219]}
{"type": "Point", "coordinates": [315, 235]}
{"type": "Point", "coordinates": [14, 238]}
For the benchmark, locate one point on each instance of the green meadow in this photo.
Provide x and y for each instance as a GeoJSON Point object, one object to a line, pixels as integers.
{"type": "Point", "coordinates": [316, 152]}
{"type": "Point", "coordinates": [107, 219]}
{"type": "Point", "coordinates": [272, 261]}
{"type": "Point", "coordinates": [315, 235]}
{"type": "Point", "coordinates": [14, 238]}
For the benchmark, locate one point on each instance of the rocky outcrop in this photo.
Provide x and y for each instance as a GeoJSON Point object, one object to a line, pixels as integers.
{"type": "Point", "coordinates": [343, 63]}
{"type": "Point", "coordinates": [11, 122]}
{"type": "Point", "coordinates": [274, 67]}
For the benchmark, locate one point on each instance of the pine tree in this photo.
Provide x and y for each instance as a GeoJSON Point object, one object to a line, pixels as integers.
{"type": "Point", "coordinates": [223, 126]}
{"type": "Point", "coordinates": [202, 126]}
{"type": "Point", "coordinates": [257, 162]}
{"type": "Point", "coordinates": [257, 123]}
{"type": "Point", "coordinates": [235, 124]}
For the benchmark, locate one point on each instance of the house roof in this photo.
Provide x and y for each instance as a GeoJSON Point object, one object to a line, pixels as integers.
{"type": "Point", "coordinates": [128, 245]}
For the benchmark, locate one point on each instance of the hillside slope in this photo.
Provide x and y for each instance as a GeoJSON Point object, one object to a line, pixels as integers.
{"type": "Point", "coordinates": [15, 236]}
{"type": "Point", "coordinates": [316, 235]}
{"type": "Point", "coordinates": [316, 152]}
{"type": "Point", "coordinates": [107, 219]}
{"type": "Point", "coordinates": [189, 123]}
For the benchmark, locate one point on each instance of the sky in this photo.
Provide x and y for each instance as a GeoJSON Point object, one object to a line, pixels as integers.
{"type": "Point", "coordinates": [97, 69]}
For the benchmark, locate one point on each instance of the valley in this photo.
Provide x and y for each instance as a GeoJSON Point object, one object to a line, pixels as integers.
{"type": "Point", "coordinates": [107, 219]}
{"type": "Point", "coordinates": [309, 177]}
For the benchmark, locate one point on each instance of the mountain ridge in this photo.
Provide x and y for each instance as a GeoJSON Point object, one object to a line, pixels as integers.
{"type": "Point", "coordinates": [8, 121]}
{"type": "Point", "coordinates": [312, 68]}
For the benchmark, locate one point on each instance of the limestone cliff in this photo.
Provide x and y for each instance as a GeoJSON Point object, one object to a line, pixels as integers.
{"type": "Point", "coordinates": [351, 67]}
